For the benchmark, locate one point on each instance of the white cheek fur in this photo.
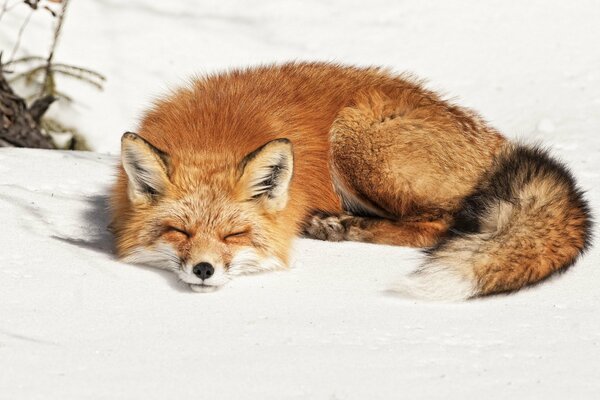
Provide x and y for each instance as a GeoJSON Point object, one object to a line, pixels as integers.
{"type": "Point", "coordinates": [162, 256]}
{"type": "Point", "coordinates": [247, 260]}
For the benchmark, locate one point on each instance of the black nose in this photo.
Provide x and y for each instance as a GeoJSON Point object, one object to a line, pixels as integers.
{"type": "Point", "coordinates": [203, 270]}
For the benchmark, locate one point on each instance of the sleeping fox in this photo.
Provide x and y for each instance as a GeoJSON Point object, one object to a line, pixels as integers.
{"type": "Point", "coordinates": [224, 174]}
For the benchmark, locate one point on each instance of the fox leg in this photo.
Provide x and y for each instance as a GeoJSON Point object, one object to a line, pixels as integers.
{"type": "Point", "coordinates": [337, 228]}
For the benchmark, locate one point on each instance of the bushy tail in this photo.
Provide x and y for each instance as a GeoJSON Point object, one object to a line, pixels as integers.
{"type": "Point", "coordinates": [526, 220]}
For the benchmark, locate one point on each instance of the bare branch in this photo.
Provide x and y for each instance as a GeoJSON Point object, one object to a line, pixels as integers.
{"type": "Point", "coordinates": [48, 84]}
{"type": "Point", "coordinates": [25, 59]}
{"type": "Point", "coordinates": [20, 34]}
{"type": "Point", "coordinates": [81, 70]}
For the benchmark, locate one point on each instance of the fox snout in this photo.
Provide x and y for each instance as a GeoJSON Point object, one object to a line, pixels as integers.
{"type": "Point", "coordinates": [203, 270]}
{"type": "Point", "coordinates": [203, 276]}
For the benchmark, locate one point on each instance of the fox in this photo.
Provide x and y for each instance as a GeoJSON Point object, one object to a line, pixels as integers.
{"type": "Point", "coordinates": [225, 172]}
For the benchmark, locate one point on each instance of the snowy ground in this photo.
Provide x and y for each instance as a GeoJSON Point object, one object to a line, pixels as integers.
{"type": "Point", "coordinates": [75, 323]}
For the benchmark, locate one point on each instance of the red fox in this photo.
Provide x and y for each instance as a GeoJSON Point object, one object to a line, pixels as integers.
{"type": "Point", "coordinates": [225, 173]}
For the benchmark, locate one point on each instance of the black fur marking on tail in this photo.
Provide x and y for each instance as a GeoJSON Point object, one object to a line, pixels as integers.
{"type": "Point", "coordinates": [511, 172]}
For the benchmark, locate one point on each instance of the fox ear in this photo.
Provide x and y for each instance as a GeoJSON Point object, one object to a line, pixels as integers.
{"type": "Point", "coordinates": [265, 174]}
{"type": "Point", "coordinates": [146, 167]}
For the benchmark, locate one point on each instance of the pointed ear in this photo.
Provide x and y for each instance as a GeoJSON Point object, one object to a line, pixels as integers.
{"type": "Point", "coordinates": [146, 168]}
{"type": "Point", "coordinates": [266, 173]}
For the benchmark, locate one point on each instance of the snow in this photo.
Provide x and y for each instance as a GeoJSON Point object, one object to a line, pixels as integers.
{"type": "Point", "coordinates": [75, 323]}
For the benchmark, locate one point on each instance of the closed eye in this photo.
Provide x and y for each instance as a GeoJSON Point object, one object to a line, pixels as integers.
{"type": "Point", "coordinates": [177, 230]}
{"type": "Point", "coordinates": [237, 234]}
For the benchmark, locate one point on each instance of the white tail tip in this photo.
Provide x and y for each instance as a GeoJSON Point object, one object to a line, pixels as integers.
{"type": "Point", "coordinates": [435, 282]}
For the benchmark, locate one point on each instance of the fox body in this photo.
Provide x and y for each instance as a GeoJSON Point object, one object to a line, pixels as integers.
{"type": "Point", "coordinates": [223, 175]}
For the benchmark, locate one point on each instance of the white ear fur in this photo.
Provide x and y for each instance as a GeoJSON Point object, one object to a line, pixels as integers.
{"type": "Point", "coordinates": [266, 174]}
{"type": "Point", "coordinates": [146, 167]}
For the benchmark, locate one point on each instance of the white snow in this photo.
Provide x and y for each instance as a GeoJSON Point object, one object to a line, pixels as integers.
{"type": "Point", "coordinates": [77, 324]}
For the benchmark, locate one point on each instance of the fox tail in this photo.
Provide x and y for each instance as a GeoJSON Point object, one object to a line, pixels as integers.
{"type": "Point", "coordinates": [526, 220]}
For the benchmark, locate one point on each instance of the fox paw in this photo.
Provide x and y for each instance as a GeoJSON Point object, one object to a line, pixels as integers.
{"type": "Point", "coordinates": [324, 227]}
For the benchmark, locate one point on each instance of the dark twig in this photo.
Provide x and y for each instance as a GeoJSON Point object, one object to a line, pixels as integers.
{"type": "Point", "coordinates": [48, 85]}
{"type": "Point", "coordinates": [40, 106]}
{"type": "Point", "coordinates": [20, 34]}
{"type": "Point", "coordinates": [25, 59]}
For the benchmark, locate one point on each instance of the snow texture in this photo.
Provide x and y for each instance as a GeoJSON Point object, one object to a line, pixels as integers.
{"type": "Point", "coordinates": [77, 324]}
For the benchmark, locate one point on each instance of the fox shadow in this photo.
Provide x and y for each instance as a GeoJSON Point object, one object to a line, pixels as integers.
{"type": "Point", "coordinates": [96, 219]}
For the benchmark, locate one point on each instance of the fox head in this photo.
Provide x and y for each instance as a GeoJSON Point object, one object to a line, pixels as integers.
{"type": "Point", "coordinates": [207, 217]}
